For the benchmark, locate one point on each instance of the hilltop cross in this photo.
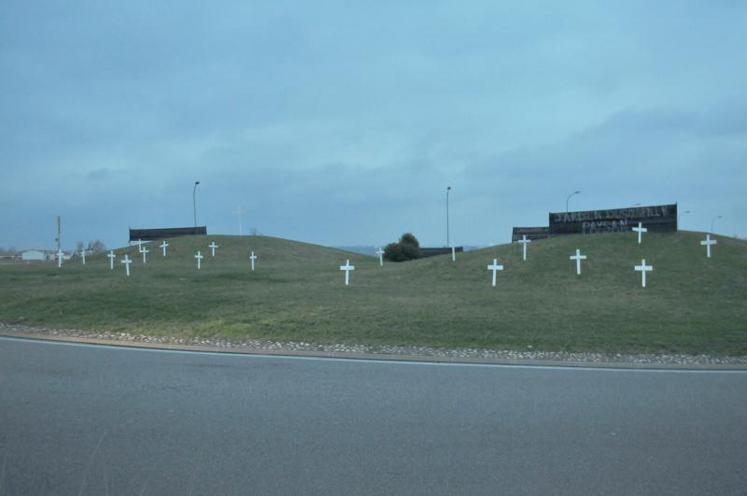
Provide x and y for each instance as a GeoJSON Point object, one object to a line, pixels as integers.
{"type": "Point", "coordinates": [453, 254]}
{"type": "Point", "coordinates": [164, 245]}
{"type": "Point", "coordinates": [127, 263]}
{"type": "Point", "coordinates": [83, 256]}
{"type": "Point", "coordinates": [60, 256]}
{"type": "Point", "coordinates": [347, 268]}
{"type": "Point", "coordinates": [707, 243]}
{"type": "Point", "coordinates": [380, 253]}
{"type": "Point", "coordinates": [212, 247]}
{"type": "Point", "coordinates": [111, 256]}
{"type": "Point", "coordinates": [140, 245]}
{"type": "Point", "coordinates": [578, 257]}
{"type": "Point", "coordinates": [145, 252]}
{"type": "Point", "coordinates": [640, 230]}
{"type": "Point", "coordinates": [199, 258]}
{"type": "Point", "coordinates": [253, 258]}
{"type": "Point", "coordinates": [643, 268]}
{"type": "Point", "coordinates": [524, 241]}
{"type": "Point", "coordinates": [495, 267]}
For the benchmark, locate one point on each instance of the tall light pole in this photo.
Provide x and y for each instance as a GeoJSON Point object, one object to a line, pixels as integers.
{"type": "Point", "coordinates": [713, 221]}
{"type": "Point", "coordinates": [194, 201]}
{"type": "Point", "coordinates": [240, 212]}
{"type": "Point", "coordinates": [448, 189]}
{"type": "Point", "coordinates": [568, 199]}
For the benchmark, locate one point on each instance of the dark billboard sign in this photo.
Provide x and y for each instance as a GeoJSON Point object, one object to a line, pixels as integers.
{"type": "Point", "coordinates": [658, 218]}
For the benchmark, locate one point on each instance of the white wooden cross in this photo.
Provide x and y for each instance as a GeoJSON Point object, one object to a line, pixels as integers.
{"type": "Point", "coordinates": [707, 243]}
{"type": "Point", "coordinates": [347, 268]}
{"type": "Point", "coordinates": [145, 252]}
{"type": "Point", "coordinates": [83, 256]}
{"type": "Point", "coordinates": [380, 253]}
{"type": "Point", "coordinates": [643, 268]}
{"type": "Point", "coordinates": [111, 256]}
{"type": "Point", "coordinates": [212, 247]}
{"type": "Point", "coordinates": [164, 245]}
{"type": "Point", "coordinates": [578, 257]}
{"type": "Point", "coordinates": [640, 230]}
{"type": "Point", "coordinates": [60, 256]}
{"type": "Point", "coordinates": [139, 245]}
{"type": "Point", "coordinates": [253, 258]}
{"type": "Point", "coordinates": [453, 254]}
{"type": "Point", "coordinates": [127, 263]}
{"type": "Point", "coordinates": [199, 258]}
{"type": "Point", "coordinates": [524, 242]}
{"type": "Point", "coordinates": [495, 267]}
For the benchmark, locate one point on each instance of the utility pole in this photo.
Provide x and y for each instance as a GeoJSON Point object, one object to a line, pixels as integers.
{"type": "Point", "coordinates": [194, 201]}
{"type": "Point", "coordinates": [448, 189]}
{"type": "Point", "coordinates": [58, 239]}
{"type": "Point", "coordinates": [240, 212]}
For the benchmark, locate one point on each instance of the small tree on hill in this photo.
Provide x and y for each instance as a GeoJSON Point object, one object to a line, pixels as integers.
{"type": "Point", "coordinates": [408, 248]}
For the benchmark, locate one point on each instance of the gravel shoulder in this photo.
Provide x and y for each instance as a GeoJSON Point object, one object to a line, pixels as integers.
{"type": "Point", "coordinates": [357, 351]}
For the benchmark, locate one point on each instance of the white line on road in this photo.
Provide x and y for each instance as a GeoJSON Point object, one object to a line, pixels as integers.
{"type": "Point", "coordinates": [385, 361]}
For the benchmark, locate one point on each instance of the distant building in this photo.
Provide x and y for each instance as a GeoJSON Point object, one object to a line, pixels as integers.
{"type": "Point", "coordinates": [33, 256]}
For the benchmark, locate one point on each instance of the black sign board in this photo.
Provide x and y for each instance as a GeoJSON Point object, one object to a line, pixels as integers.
{"type": "Point", "coordinates": [166, 232]}
{"type": "Point", "coordinates": [530, 232]}
{"type": "Point", "coordinates": [659, 218]}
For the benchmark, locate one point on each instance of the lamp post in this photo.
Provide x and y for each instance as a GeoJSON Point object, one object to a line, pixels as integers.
{"type": "Point", "coordinates": [713, 221]}
{"type": "Point", "coordinates": [194, 201]}
{"type": "Point", "coordinates": [568, 199]}
{"type": "Point", "coordinates": [448, 189]}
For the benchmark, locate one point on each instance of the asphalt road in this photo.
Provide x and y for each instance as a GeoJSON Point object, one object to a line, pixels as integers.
{"type": "Point", "coordinates": [100, 420]}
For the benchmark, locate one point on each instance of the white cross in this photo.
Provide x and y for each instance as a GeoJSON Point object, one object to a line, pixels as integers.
{"type": "Point", "coordinates": [163, 247]}
{"type": "Point", "coordinates": [495, 267]}
{"type": "Point", "coordinates": [578, 257]}
{"type": "Point", "coordinates": [643, 268]}
{"type": "Point", "coordinates": [380, 253]}
{"type": "Point", "coordinates": [212, 247]}
{"type": "Point", "coordinates": [127, 263]}
{"type": "Point", "coordinates": [253, 258]}
{"type": "Point", "coordinates": [111, 256]}
{"type": "Point", "coordinates": [139, 245]}
{"type": "Point", "coordinates": [199, 258]}
{"type": "Point", "coordinates": [640, 230]}
{"type": "Point", "coordinates": [707, 243]}
{"type": "Point", "coordinates": [83, 256]}
{"type": "Point", "coordinates": [453, 254]}
{"type": "Point", "coordinates": [524, 242]}
{"type": "Point", "coordinates": [145, 252]}
{"type": "Point", "coordinates": [347, 268]}
{"type": "Point", "coordinates": [60, 256]}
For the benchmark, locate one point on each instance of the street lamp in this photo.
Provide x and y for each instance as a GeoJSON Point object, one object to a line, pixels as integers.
{"type": "Point", "coordinates": [569, 197]}
{"type": "Point", "coordinates": [448, 189]}
{"type": "Point", "coordinates": [713, 221]}
{"type": "Point", "coordinates": [194, 201]}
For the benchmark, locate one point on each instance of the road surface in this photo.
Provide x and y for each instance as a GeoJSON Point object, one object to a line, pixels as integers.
{"type": "Point", "coordinates": [78, 419]}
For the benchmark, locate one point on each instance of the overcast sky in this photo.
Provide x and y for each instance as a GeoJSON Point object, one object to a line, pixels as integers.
{"type": "Point", "coordinates": [344, 122]}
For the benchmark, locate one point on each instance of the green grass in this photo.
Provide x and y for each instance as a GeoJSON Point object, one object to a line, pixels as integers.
{"type": "Point", "coordinates": [691, 305]}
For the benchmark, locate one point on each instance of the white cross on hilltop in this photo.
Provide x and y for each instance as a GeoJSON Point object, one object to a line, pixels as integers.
{"type": "Point", "coordinates": [578, 257]}
{"type": "Point", "coordinates": [127, 263]}
{"type": "Point", "coordinates": [163, 246]}
{"type": "Point", "coordinates": [643, 268]}
{"type": "Point", "coordinates": [60, 256]}
{"type": "Point", "coordinates": [111, 256]}
{"type": "Point", "coordinates": [495, 267]}
{"type": "Point", "coordinates": [199, 258]}
{"type": "Point", "coordinates": [139, 245]}
{"type": "Point", "coordinates": [640, 230]}
{"type": "Point", "coordinates": [707, 243]}
{"type": "Point", "coordinates": [380, 253]}
{"type": "Point", "coordinates": [212, 247]}
{"type": "Point", "coordinates": [524, 241]}
{"type": "Point", "coordinates": [347, 268]}
{"type": "Point", "coordinates": [253, 258]}
{"type": "Point", "coordinates": [145, 252]}
{"type": "Point", "coordinates": [83, 256]}
{"type": "Point", "coordinates": [453, 254]}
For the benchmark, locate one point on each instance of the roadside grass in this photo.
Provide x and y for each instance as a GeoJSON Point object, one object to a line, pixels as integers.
{"type": "Point", "coordinates": [691, 305]}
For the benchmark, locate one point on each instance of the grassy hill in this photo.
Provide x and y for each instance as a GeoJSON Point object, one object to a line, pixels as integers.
{"type": "Point", "coordinates": [691, 305]}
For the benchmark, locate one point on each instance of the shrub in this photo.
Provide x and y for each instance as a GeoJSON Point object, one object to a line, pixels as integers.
{"type": "Point", "coordinates": [408, 248]}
